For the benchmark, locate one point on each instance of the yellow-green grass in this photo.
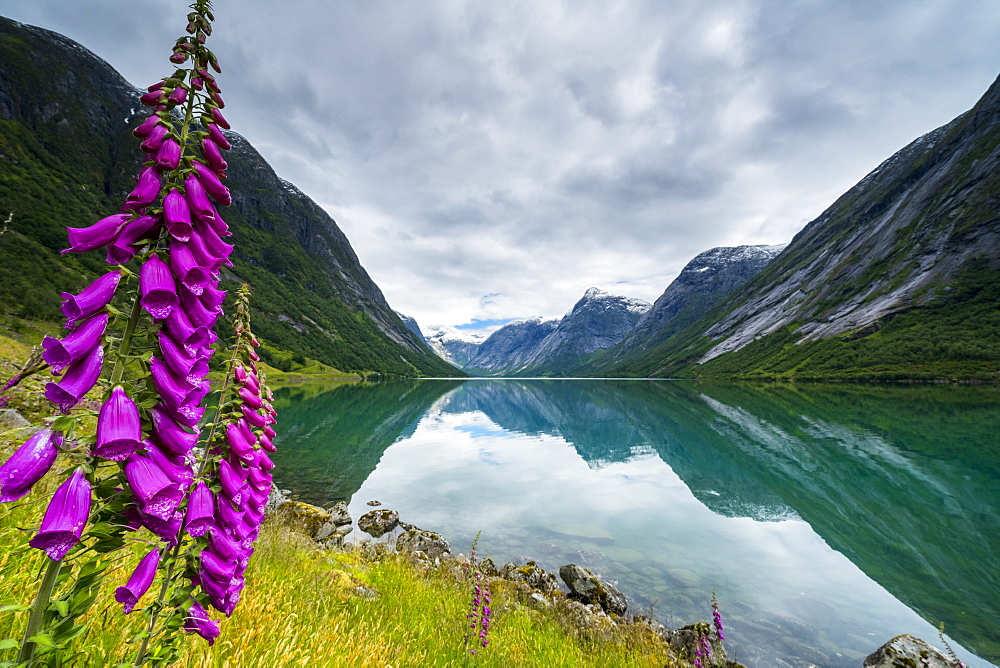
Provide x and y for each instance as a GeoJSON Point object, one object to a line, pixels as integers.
{"type": "Point", "coordinates": [299, 608]}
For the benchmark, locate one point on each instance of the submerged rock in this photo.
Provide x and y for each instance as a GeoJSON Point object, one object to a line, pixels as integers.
{"type": "Point", "coordinates": [589, 588]}
{"type": "Point", "coordinates": [906, 650]}
{"type": "Point", "coordinates": [378, 522]}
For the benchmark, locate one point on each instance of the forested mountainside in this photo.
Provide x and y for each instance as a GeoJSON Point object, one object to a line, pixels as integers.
{"type": "Point", "coordinates": [67, 158]}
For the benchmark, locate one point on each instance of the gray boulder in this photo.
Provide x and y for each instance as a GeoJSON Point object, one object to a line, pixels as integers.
{"type": "Point", "coordinates": [589, 588]}
{"type": "Point", "coordinates": [339, 523]}
{"type": "Point", "coordinates": [418, 540]}
{"type": "Point", "coordinates": [905, 650]}
{"type": "Point", "coordinates": [376, 523]}
{"type": "Point", "coordinates": [532, 575]}
{"type": "Point", "coordinates": [11, 419]}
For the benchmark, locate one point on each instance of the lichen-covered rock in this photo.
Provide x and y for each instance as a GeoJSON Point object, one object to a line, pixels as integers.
{"type": "Point", "coordinates": [686, 640]}
{"type": "Point", "coordinates": [311, 518]}
{"type": "Point", "coordinates": [339, 514]}
{"type": "Point", "coordinates": [906, 651]}
{"type": "Point", "coordinates": [532, 575]}
{"type": "Point", "coordinates": [418, 540]}
{"type": "Point", "coordinates": [376, 523]}
{"type": "Point", "coordinates": [275, 500]}
{"type": "Point", "coordinates": [589, 588]}
{"type": "Point", "coordinates": [339, 523]}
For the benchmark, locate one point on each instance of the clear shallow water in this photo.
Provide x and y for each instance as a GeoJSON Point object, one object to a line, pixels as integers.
{"type": "Point", "coordinates": [828, 518]}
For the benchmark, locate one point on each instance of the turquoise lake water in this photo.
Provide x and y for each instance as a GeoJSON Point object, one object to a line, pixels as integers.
{"type": "Point", "coordinates": [828, 518]}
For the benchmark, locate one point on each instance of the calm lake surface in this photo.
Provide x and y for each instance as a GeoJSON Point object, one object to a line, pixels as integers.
{"type": "Point", "coordinates": [828, 518]}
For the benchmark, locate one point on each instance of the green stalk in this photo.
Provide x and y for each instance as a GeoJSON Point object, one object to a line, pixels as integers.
{"type": "Point", "coordinates": [38, 610]}
{"type": "Point", "coordinates": [126, 342]}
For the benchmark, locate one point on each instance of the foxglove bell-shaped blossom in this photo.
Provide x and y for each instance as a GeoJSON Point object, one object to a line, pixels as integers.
{"type": "Point", "coordinates": [77, 380]}
{"type": "Point", "coordinates": [211, 183]}
{"type": "Point", "coordinates": [269, 431]}
{"type": "Point", "coordinates": [143, 227]}
{"type": "Point", "coordinates": [178, 469]}
{"type": "Point", "coordinates": [213, 297]}
{"type": "Point", "coordinates": [216, 246]}
{"type": "Point", "coordinates": [156, 493]}
{"type": "Point", "coordinates": [146, 127]}
{"type": "Point", "coordinates": [139, 583]}
{"type": "Point", "coordinates": [180, 362]}
{"type": "Point", "coordinates": [250, 399]}
{"type": "Point", "coordinates": [177, 215]}
{"type": "Point", "coordinates": [152, 98]}
{"type": "Point", "coordinates": [201, 207]}
{"type": "Point", "coordinates": [155, 139]}
{"type": "Point", "coordinates": [190, 336]}
{"type": "Point", "coordinates": [61, 353]}
{"type": "Point", "coordinates": [146, 189]}
{"type": "Point", "coordinates": [91, 299]}
{"type": "Point", "coordinates": [265, 442]}
{"type": "Point", "coordinates": [28, 464]}
{"type": "Point", "coordinates": [197, 621]}
{"type": "Point", "coordinates": [169, 434]}
{"type": "Point", "coordinates": [177, 95]}
{"type": "Point", "coordinates": [196, 311]}
{"type": "Point", "coordinates": [179, 396]}
{"type": "Point", "coordinates": [157, 287]}
{"type": "Point", "coordinates": [216, 568]}
{"type": "Point", "coordinates": [169, 156]}
{"type": "Point", "coordinates": [167, 529]}
{"type": "Point", "coordinates": [98, 235]}
{"type": "Point", "coordinates": [220, 119]}
{"type": "Point", "coordinates": [220, 226]}
{"type": "Point", "coordinates": [203, 257]}
{"type": "Point", "coordinates": [119, 432]}
{"type": "Point", "coordinates": [234, 485]}
{"type": "Point", "coordinates": [239, 445]}
{"type": "Point", "coordinates": [252, 416]}
{"type": "Point", "coordinates": [213, 156]}
{"type": "Point", "coordinates": [225, 514]}
{"type": "Point", "coordinates": [200, 510]}
{"type": "Point", "coordinates": [260, 479]}
{"type": "Point", "coordinates": [65, 517]}
{"type": "Point", "coordinates": [186, 267]}
{"type": "Point", "coordinates": [215, 134]}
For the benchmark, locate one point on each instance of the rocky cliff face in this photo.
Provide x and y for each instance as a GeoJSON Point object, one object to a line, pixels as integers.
{"type": "Point", "coordinates": [705, 281]}
{"type": "Point", "coordinates": [454, 345]}
{"type": "Point", "coordinates": [512, 346]}
{"type": "Point", "coordinates": [910, 225]}
{"type": "Point", "coordinates": [67, 157]}
{"type": "Point", "coordinates": [597, 322]}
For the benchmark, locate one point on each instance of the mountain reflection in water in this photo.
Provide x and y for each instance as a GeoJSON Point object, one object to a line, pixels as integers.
{"type": "Point", "coordinates": [621, 475]}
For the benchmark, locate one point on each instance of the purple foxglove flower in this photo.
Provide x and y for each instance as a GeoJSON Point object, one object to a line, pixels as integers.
{"type": "Point", "coordinates": [119, 432]}
{"type": "Point", "coordinates": [202, 256]}
{"type": "Point", "coordinates": [269, 431]}
{"type": "Point", "coordinates": [186, 414]}
{"type": "Point", "coordinates": [241, 373]}
{"type": "Point", "coordinates": [186, 267]}
{"type": "Point", "coordinates": [190, 336]}
{"type": "Point", "coordinates": [212, 298]}
{"type": "Point", "coordinates": [251, 384]}
{"type": "Point", "coordinates": [91, 299]}
{"type": "Point", "coordinates": [143, 227]}
{"type": "Point", "coordinates": [138, 584]}
{"type": "Point", "coordinates": [178, 95]}
{"type": "Point", "coordinates": [217, 98]}
{"type": "Point", "coordinates": [178, 57]}
{"type": "Point", "coordinates": [252, 416]}
{"type": "Point", "coordinates": [201, 510]}
{"type": "Point", "coordinates": [244, 428]}
{"type": "Point", "coordinates": [169, 155]}
{"type": "Point", "coordinates": [197, 621]}
{"type": "Point", "coordinates": [147, 187]}
{"type": "Point", "coordinates": [143, 129]}
{"type": "Point", "coordinates": [258, 499]}
{"type": "Point", "coordinates": [234, 486]}
{"type": "Point", "coordinates": [157, 287]}
{"type": "Point", "coordinates": [225, 514]}
{"type": "Point", "coordinates": [239, 445]}
{"type": "Point", "coordinates": [213, 156]}
{"type": "Point", "coordinates": [28, 464]}
{"type": "Point", "coordinates": [220, 119]}
{"type": "Point", "coordinates": [98, 235]}
{"type": "Point", "coordinates": [176, 468]}
{"type": "Point", "coordinates": [169, 435]}
{"type": "Point", "coordinates": [265, 442]}
{"type": "Point", "coordinates": [167, 530]}
{"type": "Point", "coordinates": [264, 461]}
{"type": "Point", "coordinates": [154, 140]}
{"type": "Point", "coordinates": [196, 311]}
{"type": "Point", "coordinates": [177, 215]}
{"type": "Point", "coordinates": [250, 399]}
{"type": "Point", "coordinates": [79, 377]}
{"type": "Point", "coordinates": [189, 367]}
{"type": "Point", "coordinates": [224, 546]}
{"type": "Point", "coordinates": [65, 517]}
{"type": "Point", "coordinates": [215, 134]}
{"type": "Point", "coordinates": [152, 98]}
{"type": "Point", "coordinates": [76, 344]}
{"type": "Point", "coordinates": [216, 246]}
{"type": "Point", "coordinates": [260, 479]}
{"type": "Point", "coordinates": [174, 390]}
{"type": "Point", "coordinates": [197, 83]}
{"type": "Point", "coordinates": [201, 207]}
{"type": "Point", "coordinates": [216, 568]}
{"type": "Point", "coordinates": [156, 493]}
{"type": "Point", "coordinates": [211, 183]}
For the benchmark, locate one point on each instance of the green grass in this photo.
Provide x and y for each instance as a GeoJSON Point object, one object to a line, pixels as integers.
{"type": "Point", "coordinates": [298, 609]}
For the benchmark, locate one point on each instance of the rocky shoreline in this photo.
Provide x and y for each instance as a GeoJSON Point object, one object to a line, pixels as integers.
{"type": "Point", "coordinates": [586, 599]}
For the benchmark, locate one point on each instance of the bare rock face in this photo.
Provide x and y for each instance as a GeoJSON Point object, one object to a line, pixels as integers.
{"type": "Point", "coordinates": [589, 588]}
{"type": "Point", "coordinates": [378, 522]}
{"type": "Point", "coordinates": [905, 650]}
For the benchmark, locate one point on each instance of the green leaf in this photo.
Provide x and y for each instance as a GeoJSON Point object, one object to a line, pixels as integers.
{"type": "Point", "coordinates": [43, 640]}
{"type": "Point", "coordinates": [14, 608]}
{"type": "Point", "coordinates": [8, 643]}
{"type": "Point", "coordinates": [62, 607]}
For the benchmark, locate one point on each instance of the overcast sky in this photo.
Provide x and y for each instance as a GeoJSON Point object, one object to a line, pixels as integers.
{"type": "Point", "coordinates": [493, 160]}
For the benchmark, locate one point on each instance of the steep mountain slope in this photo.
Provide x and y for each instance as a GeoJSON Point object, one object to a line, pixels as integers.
{"type": "Point", "coordinates": [597, 322]}
{"type": "Point", "coordinates": [897, 279]}
{"type": "Point", "coordinates": [511, 346]}
{"type": "Point", "coordinates": [705, 281]}
{"type": "Point", "coordinates": [454, 345]}
{"type": "Point", "coordinates": [67, 158]}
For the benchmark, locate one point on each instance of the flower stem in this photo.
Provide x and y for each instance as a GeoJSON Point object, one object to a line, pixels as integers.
{"type": "Point", "coordinates": [126, 342]}
{"type": "Point", "coordinates": [38, 610]}
{"type": "Point", "coordinates": [141, 656]}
